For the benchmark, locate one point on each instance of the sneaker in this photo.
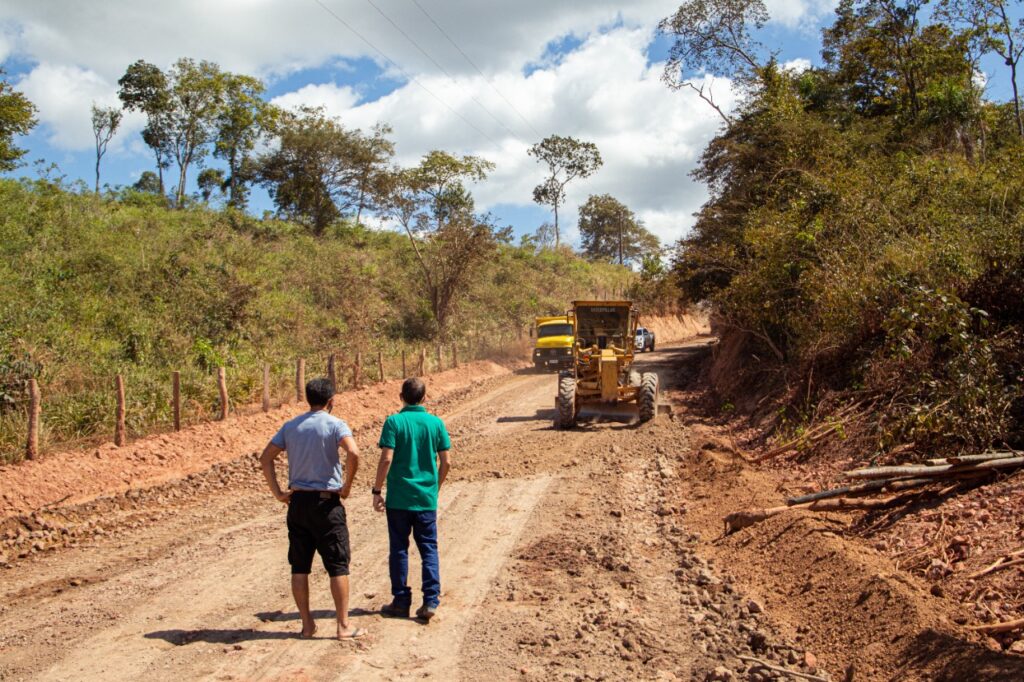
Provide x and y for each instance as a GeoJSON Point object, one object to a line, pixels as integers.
{"type": "Point", "coordinates": [426, 612]}
{"type": "Point", "coordinates": [394, 610]}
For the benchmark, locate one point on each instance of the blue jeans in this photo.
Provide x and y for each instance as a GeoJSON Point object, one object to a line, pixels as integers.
{"type": "Point", "coordinates": [423, 525]}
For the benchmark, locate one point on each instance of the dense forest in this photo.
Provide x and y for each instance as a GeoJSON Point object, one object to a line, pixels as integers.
{"type": "Point", "coordinates": [864, 243]}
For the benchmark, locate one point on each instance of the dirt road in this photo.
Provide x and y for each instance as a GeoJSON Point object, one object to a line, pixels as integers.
{"type": "Point", "coordinates": [200, 589]}
{"type": "Point", "coordinates": [565, 555]}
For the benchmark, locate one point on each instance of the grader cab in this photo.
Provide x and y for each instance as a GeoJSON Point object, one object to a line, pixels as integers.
{"type": "Point", "coordinates": [602, 378]}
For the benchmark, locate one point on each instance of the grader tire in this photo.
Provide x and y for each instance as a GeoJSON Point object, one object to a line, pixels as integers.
{"type": "Point", "coordinates": [648, 398]}
{"type": "Point", "coordinates": [565, 403]}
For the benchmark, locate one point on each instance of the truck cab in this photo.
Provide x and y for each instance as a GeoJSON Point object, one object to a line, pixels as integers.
{"type": "Point", "coordinates": [554, 346]}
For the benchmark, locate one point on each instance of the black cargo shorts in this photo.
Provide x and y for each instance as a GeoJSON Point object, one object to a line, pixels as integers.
{"type": "Point", "coordinates": [317, 523]}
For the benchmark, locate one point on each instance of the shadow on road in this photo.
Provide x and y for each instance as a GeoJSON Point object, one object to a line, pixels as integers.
{"type": "Point", "coordinates": [947, 658]}
{"type": "Point", "coordinates": [211, 636]}
{"type": "Point", "coordinates": [539, 415]}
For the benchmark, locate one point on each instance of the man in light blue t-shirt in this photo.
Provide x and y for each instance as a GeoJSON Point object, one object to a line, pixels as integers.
{"type": "Point", "coordinates": [316, 516]}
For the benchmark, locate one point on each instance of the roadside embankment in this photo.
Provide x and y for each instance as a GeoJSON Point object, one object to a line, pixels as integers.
{"type": "Point", "coordinates": [678, 327]}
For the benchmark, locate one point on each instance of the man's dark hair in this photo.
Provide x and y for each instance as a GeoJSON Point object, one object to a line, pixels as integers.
{"type": "Point", "coordinates": [413, 390]}
{"type": "Point", "coordinates": [318, 392]}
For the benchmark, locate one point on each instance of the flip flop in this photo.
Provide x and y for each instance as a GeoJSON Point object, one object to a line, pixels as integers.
{"type": "Point", "coordinates": [358, 633]}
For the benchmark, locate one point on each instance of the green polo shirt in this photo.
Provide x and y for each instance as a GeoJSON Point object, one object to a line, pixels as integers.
{"type": "Point", "coordinates": [416, 436]}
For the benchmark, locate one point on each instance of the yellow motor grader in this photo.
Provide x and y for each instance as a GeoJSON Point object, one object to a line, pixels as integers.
{"type": "Point", "coordinates": [602, 377]}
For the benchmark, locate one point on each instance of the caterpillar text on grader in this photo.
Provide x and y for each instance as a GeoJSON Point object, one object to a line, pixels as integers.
{"type": "Point", "coordinates": [602, 378]}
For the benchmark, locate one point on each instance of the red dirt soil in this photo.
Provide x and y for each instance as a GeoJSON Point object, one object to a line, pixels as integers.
{"type": "Point", "coordinates": [77, 476]}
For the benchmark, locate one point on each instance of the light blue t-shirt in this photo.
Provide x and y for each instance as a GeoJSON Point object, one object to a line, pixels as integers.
{"type": "Point", "coordinates": [311, 441]}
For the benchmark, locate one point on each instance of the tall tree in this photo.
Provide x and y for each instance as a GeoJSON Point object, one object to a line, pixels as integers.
{"type": "Point", "coordinates": [17, 117]}
{"type": "Point", "coordinates": [449, 243]}
{"type": "Point", "coordinates": [241, 120]}
{"type": "Point", "coordinates": [992, 25]}
{"type": "Point", "coordinates": [371, 158]}
{"type": "Point", "coordinates": [197, 90]}
{"type": "Point", "coordinates": [105, 121]}
{"type": "Point", "coordinates": [876, 51]}
{"type": "Point", "coordinates": [567, 159]}
{"type": "Point", "coordinates": [610, 231]}
{"type": "Point", "coordinates": [145, 88]}
{"type": "Point", "coordinates": [310, 171]}
{"type": "Point", "coordinates": [714, 37]}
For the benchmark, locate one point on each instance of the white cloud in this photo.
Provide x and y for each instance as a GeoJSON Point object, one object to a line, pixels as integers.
{"type": "Point", "coordinates": [604, 92]}
{"type": "Point", "coordinates": [799, 13]}
{"type": "Point", "coordinates": [797, 65]}
{"type": "Point", "coordinates": [330, 96]}
{"type": "Point", "coordinates": [64, 96]}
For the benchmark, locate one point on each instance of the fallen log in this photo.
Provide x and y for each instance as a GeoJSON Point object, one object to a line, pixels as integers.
{"type": "Point", "coordinates": [940, 470]}
{"type": "Point", "coordinates": [968, 459]}
{"type": "Point", "coordinates": [743, 519]}
{"type": "Point", "coordinates": [992, 628]}
{"type": "Point", "coordinates": [881, 485]}
{"type": "Point", "coordinates": [859, 488]}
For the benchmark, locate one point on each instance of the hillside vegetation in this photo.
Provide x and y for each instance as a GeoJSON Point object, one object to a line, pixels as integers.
{"type": "Point", "coordinates": [864, 243]}
{"type": "Point", "coordinates": [96, 286]}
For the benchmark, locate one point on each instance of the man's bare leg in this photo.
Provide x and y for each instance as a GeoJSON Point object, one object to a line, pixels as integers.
{"type": "Point", "coordinates": [300, 590]}
{"type": "Point", "coordinates": [339, 590]}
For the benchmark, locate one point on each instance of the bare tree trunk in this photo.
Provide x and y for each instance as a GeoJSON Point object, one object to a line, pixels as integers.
{"type": "Point", "coordinates": [119, 429]}
{"type": "Point", "coordinates": [266, 387]}
{"type": "Point", "coordinates": [1016, 99]}
{"type": "Point", "coordinates": [222, 388]}
{"type": "Point", "coordinates": [176, 399]}
{"type": "Point", "coordinates": [557, 239]}
{"type": "Point", "coordinates": [620, 241]}
{"type": "Point", "coordinates": [300, 380]}
{"type": "Point", "coordinates": [32, 446]}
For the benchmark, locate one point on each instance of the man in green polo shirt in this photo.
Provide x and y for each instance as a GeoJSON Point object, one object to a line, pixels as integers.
{"type": "Point", "coordinates": [414, 447]}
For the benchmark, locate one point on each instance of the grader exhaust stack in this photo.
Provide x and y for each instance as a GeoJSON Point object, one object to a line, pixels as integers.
{"type": "Point", "coordinates": [602, 379]}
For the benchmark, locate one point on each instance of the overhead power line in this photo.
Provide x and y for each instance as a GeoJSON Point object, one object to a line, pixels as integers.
{"type": "Point", "coordinates": [473, 64]}
{"type": "Point", "coordinates": [440, 68]}
{"type": "Point", "coordinates": [404, 73]}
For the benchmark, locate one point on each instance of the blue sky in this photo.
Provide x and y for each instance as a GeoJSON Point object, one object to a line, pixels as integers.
{"type": "Point", "coordinates": [588, 68]}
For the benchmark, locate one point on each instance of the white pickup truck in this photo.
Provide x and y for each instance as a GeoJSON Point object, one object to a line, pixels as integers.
{"type": "Point", "coordinates": [644, 339]}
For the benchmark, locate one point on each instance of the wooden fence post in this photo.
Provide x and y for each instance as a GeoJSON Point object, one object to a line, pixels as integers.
{"type": "Point", "coordinates": [357, 369]}
{"type": "Point", "coordinates": [440, 357]}
{"type": "Point", "coordinates": [300, 380]}
{"type": "Point", "coordinates": [423, 362]}
{"type": "Point", "coordinates": [405, 373]}
{"type": "Point", "coordinates": [266, 387]}
{"type": "Point", "coordinates": [331, 374]}
{"type": "Point", "coordinates": [32, 446]}
{"type": "Point", "coordinates": [119, 429]}
{"type": "Point", "coordinates": [455, 355]}
{"type": "Point", "coordinates": [380, 366]}
{"type": "Point", "coordinates": [222, 386]}
{"type": "Point", "coordinates": [176, 399]}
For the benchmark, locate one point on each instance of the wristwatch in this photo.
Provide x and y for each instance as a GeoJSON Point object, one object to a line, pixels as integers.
{"type": "Point", "coordinates": [376, 491]}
